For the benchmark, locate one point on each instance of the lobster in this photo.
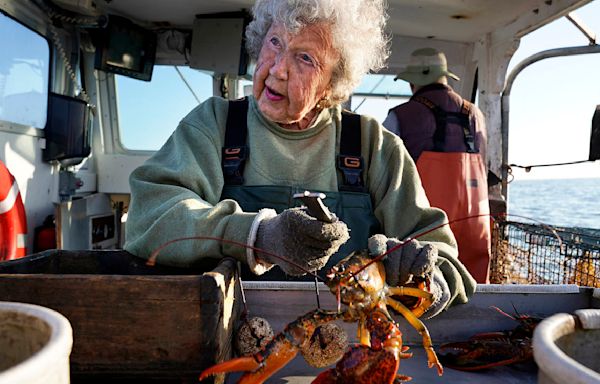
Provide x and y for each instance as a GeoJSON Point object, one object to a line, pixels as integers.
{"type": "Point", "coordinates": [492, 349]}
{"type": "Point", "coordinates": [358, 281]}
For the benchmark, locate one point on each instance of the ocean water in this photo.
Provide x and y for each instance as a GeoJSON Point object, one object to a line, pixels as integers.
{"type": "Point", "coordinates": [559, 202]}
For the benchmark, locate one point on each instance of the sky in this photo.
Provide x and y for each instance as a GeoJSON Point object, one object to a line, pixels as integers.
{"type": "Point", "coordinates": [552, 101]}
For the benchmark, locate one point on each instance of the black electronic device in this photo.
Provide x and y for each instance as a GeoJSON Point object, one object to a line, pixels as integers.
{"type": "Point", "coordinates": [125, 48]}
{"type": "Point", "coordinates": [218, 43]}
{"type": "Point", "coordinates": [67, 130]}
{"type": "Point", "coordinates": [595, 137]}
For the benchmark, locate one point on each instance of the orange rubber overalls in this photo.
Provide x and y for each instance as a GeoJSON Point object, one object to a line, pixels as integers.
{"type": "Point", "coordinates": [456, 182]}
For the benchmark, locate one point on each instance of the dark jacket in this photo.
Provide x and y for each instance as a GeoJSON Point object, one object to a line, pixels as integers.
{"type": "Point", "coordinates": [415, 123]}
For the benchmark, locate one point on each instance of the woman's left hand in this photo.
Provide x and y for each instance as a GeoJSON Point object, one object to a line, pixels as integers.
{"type": "Point", "coordinates": [412, 259]}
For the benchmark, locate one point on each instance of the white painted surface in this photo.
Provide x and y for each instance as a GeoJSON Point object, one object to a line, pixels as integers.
{"type": "Point", "coordinates": [22, 327]}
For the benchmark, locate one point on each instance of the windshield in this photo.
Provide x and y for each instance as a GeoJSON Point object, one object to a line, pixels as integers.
{"type": "Point", "coordinates": [150, 111]}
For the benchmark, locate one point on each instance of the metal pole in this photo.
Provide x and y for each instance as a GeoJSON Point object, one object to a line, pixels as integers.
{"type": "Point", "coordinates": [505, 100]}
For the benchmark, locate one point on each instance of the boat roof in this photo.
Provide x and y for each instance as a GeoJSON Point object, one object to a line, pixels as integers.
{"type": "Point", "coordinates": [451, 20]}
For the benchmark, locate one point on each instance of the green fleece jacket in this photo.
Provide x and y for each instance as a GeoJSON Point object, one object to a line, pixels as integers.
{"type": "Point", "coordinates": [176, 193]}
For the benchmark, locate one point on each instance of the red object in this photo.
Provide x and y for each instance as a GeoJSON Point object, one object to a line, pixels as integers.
{"type": "Point", "coordinates": [44, 236]}
{"type": "Point", "coordinates": [13, 222]}
{"type": "Point", "coordinates": [456, 182]}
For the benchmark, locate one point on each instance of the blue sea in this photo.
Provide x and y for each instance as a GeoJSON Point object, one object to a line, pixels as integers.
{"type": "Point", "coordinates": [559, 202]}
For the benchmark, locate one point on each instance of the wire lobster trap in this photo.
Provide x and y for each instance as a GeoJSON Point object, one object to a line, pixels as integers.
{"type": "Point", "coordinates": [525, 253]}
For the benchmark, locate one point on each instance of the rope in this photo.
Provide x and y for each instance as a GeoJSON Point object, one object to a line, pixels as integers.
{"type": "Point", "coordinates": [528, 167]}
{"type": "Point", "coordinates": [68, 67]}
{"type": "Point", "coordinates": [189, 87]}
{"type": "Point", "coordinates": [87, 21]}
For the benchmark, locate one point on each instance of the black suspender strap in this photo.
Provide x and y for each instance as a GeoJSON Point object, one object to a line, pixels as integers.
{"type": "Point", "coordinates": [442, 118]}
{"type": "Point", "coordinates": [235, 151]}
{"type": "Point", "coordinates": [349, 160]}
{"type": "Point", "coordinates": [465, 110]}
{"type": "Point", "coordinates": [439, 136]}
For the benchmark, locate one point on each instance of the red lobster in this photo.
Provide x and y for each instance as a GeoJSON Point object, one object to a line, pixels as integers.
{"type": "Point", "coordinates": [359, 283]}
{"type": "Point", "coordinates": [492, 349]}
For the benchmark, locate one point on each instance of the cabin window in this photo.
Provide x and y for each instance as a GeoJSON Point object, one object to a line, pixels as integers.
{"type": "Point", "coordinates": [24, 73]}
{"type": "Point", "coordinates": [377, 94]}
{"type": "Point", "coordinates": [150, 111]}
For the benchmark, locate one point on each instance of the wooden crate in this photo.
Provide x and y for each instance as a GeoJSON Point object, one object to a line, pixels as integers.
{"type": "Point", "coordinates": [131, 322]}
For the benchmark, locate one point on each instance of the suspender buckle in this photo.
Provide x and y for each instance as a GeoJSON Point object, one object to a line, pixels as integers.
{"type": "Point", "coordinates": [233, 159]}
{"type": "Point", "coordinates": [470, 143]}
{"type": "Point", "coordinates": [443, 118]}
{"type": "Point", "coordinates": [352, 169]}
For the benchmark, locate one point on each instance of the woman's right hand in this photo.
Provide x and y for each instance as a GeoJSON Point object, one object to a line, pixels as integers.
{"type": "Point", "coordinates": [299, 238]}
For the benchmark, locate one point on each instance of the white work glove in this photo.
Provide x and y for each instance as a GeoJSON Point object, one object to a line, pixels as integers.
{"type": "Point", "coordinates": [412, 260]}
{"type": "Point", "coordinates": [296, 236]}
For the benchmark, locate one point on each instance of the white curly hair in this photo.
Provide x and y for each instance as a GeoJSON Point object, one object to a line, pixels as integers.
{"type": "Point", "coordinates": [357, 28]}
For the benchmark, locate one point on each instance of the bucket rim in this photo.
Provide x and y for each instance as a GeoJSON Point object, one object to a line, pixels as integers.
{"type": "Point", "coordinates": [551, 359]}
{"type": "Point", "coordinates": [57, 348]}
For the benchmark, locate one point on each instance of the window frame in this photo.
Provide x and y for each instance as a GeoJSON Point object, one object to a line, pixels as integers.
{"type": "Point", "coordinates": [27, 18]}
{"type": "Point", "coordinates": [109, 101]}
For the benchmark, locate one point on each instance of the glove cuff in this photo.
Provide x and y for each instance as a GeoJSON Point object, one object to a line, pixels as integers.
{"type": "Point", "coordinates": [258, 267]}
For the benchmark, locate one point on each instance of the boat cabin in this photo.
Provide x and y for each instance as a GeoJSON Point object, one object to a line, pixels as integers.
{"type": "Point", "coordinates": [89, 89]}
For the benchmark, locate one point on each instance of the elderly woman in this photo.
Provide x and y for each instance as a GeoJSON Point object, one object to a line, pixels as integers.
{"type": "Point", "coordinates": [231, 168]}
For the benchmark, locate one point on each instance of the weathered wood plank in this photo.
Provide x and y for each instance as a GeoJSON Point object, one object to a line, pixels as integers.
{"type": "Point", "coordinates": [132, 325]}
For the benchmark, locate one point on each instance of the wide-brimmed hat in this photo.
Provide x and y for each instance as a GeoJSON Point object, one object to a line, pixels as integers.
{"type": "Point", "coordinates": [426, 66]}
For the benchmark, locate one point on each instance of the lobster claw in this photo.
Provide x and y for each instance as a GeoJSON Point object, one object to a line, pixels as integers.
{"type": "Point", "coordinates": [476, 355]}
{"type": "Point", "coordinates": [277, 353]}
{"type": "Point", "coordinates": [257, 368]}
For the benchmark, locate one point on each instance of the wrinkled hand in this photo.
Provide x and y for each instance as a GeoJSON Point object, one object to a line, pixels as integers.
{"type": "Point", "coordinates": [412, 259]}
{"type": "Point", "coordinates": [296, 236]}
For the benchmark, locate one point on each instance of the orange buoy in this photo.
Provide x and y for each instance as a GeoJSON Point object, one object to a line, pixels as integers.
{"type": "Point", "coordinates": [13, 222]}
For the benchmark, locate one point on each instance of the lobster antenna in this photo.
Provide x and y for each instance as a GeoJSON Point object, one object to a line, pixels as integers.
{"type": "Point", "coordinates": [425, 232]}
{"type": "Point", "coordinates": [154, 255]}
{"type": "Point", "coordinates": [338, 297]}
{"type": "Point", "coordinates": [548, 227]}
{"type": "Point", "coordinates": [502, 312]}
{"type": "Point", "coordinates": [317, 292]}
{"type": "Point", "coordinates": [515, 309]}
{"type": "Point", "coordinates": [245, 312]}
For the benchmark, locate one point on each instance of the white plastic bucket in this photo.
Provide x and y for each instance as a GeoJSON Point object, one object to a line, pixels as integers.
{"type": "Point", "coordinates": [35, 345]}
{"type": "Point", "coordinates": [566, 348]}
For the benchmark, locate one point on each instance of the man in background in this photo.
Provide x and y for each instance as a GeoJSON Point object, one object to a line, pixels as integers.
{"type": "Point", "coordinates": [446, 137]}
